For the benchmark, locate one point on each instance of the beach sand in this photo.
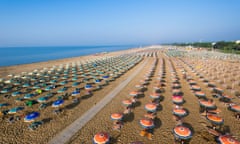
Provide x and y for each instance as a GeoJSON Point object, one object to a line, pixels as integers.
{"type": "Point", "coordinates": [18, 132]}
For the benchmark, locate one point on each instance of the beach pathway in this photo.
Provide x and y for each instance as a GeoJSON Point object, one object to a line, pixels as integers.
{"type": "Point", "coordinates": [65, 135]}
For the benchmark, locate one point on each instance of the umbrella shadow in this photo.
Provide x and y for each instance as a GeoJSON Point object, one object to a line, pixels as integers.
{"type": "Point", "coordinates": [141, 95]}
{"type": "Point", "coordinates": [129, 117]}
{"type": "Point", "coordinates": [46, 120]}
{"type": "Point", "coordinates": [72, 105]}
{"type": "Point", "coordinates": [157, 123]}
{"type": "Point", "coordinates": [226, 129]}
{"type": "Point", "coordinates": [114, 140]}
{"type": "Point", "coordinates": [86, 96]}
{"type": "Point", "coordinates": [138, 103]}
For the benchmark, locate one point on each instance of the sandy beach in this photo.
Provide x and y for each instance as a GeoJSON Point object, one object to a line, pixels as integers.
{"type": "Point", "coordinates": [18, 132]}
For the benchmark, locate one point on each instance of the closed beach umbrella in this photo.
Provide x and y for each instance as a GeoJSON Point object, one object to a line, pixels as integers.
{"type": "Point", "coordinates": [146, 123]}
{"type": "Point", "coordinates": [151, 107]}
{"type": "Point", "coordinates": [58, 103]}
{"type": "Point", "coordinates": [215, 119]}
{"type": "Point", "coordinates": [227, 139]}
{"type": "Point", "coordinates": [127, 102]}
{"type": "Point", "coordinates": [182, 132]}
{"type": "Point", "coordinates": [31, 117]}
{"type": "Point", "coordinates": [116, 116]}
{"type": "Point", "coordinates": [179, 112]}
{"type": "Point", "coordinates": [101, 138]}
{"type": "Point", "coordinates": [15, 110]}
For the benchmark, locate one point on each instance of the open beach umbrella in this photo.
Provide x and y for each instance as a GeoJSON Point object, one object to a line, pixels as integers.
{"type": "Point", "coordinates": [151, 107]}
{"type": "Point", "coordinates": [48, 88]}
{"type": "Point", "coordinates": [76, 92]}
{"type": "Point", "coordinates": [42, 99]}
{"type": "Point", "coordinates": [227, 139]}
{"type": "Point", "coordinates": [215, 119]}
{"type": "Point", "coordinates": [207, 103]}
{"type": "Point", "coordinates": [105, 77]}
{"type": "Point", "coordinates": [62, 90]}
{"type": "Point", "coordinates": [127, 102]}
{"type": "Point", "coordinates": [235, 108]}
{"type": "Point", "coordinates": [3, 105]}
{"type": "Point", "coordinates": [101, 138]}
{"type": "Point", "coordinates": [182, 132]}
{"type": "Point", "coordinates": [63, 82]}
{"type": "Point", "coordinates": [139, 86]}
{"type": "Point", "coordinates": [133, 93]}
{"type": "Point", "coordinates": [116, 116]}
{"type": "Point", "coordinates": [146, 123]}
{"type": "Point", "coordinates": [196, 87]}
{"type": "Point", "coordinates": [200, 94]}
{"type": "Point", "coordinates": [218, 90]}
{"type": "Point", "coordinates": [28, 96]}
{"type": "Point", "coordinates": [26, 85]}
{"type": "Point", "coordinates": [15, 110]}
{"type": "Point", "coordinates": [58, 103]}
{"type": "Point", "coordinates": [53, 81]}
{"type": "Point", "coordinates": [17, 93]}
{"type": "Point", "coordinates": [97, 81]}
{"type": "Point", "coordinates": [5, 90]}
{"type": "Point", "coordinates": [88, 87]}
{"type": "Point", "coordinates": [177, 99]}
{"type": "Point", "coordinates": [179, 112]}
{"type": "Point", "coordinates": [192, 82]}
{"type": "Point", "coordinates": [31, 117]}
{"type": "Point", "coordinates": [75, 84]}
{"type": "Point", "coordinates": [155, 95]}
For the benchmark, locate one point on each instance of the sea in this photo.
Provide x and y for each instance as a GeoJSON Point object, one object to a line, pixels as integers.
{"type": "Point", "coordinates": [25, 55]}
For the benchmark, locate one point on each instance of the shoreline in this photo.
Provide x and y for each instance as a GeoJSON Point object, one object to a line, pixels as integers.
{"type": "Point", "coordinates": [17, 69]}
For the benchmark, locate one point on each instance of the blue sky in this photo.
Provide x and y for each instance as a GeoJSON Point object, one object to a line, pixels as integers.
{"type": "Point", "coordinates": [110, 22]}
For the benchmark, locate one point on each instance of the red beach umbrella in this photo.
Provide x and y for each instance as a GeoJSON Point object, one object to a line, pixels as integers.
{"type": "Point", "coordinates": [182, 132]}
{"type": "Point", "coordinates": [227, 139]}
{"type": "Point", "coordinates": [116, 116]}
{"type": "Point", "coordinates": [101, 138]}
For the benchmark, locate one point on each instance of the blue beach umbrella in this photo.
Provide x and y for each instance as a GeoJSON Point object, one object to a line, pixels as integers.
{"type": "Point", "coordinates": [58, 103]}
{"type": "Point", "coordinates": [97, 81]}
{"type": "Point", "coordinates": [31, 117]}
{"type": "Point", "coordinates": [74, 93]}
{"type": "Point", "coordinates": [88, 86]}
